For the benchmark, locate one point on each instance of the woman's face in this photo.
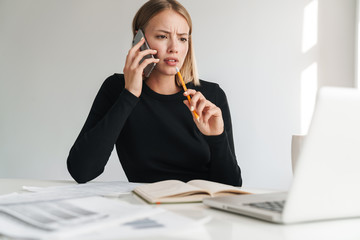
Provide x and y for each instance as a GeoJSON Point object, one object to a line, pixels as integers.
{"type": "Point", "coordinates": [168, 33]}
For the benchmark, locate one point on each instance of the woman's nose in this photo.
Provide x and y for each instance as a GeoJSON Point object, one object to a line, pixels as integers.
{"type": "Point", "coordinates": [173, 46]}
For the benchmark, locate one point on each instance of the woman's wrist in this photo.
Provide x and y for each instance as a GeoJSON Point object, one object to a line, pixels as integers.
{"type": "Point", "coordinates": [135, 91]}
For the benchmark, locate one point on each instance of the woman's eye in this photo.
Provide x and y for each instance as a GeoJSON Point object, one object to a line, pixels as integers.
{"type": "Point", "coordinates": [161, 36]}
{"type": "Point", "coordinates": [183, 39]}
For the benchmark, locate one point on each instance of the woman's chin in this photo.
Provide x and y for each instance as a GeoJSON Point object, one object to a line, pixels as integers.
{"type": "Point", "coordinates": [165, 71]}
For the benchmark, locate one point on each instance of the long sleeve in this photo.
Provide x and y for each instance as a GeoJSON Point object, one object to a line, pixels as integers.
{"type": "Point", "coordinates": [155, 137]}
{"type": "Point", "coordinates": [109, 112]}
{"type": "Point", "coordinates": [224, 167]}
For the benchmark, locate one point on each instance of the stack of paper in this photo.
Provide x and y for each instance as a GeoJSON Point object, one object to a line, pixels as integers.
{"type": "Point", "coordinates": [65, 218]}
{"type": "Point", "coordinates": [51, 215]}
{"type": "Point", "coordinates": [78, 211]}
{"type": "Point", "coordinates": [109, 189]}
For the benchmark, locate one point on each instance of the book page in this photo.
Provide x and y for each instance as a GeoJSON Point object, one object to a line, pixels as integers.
{"type": "Point", "coordinates": [216, 189]}
{"type": "Point", "coordinates": [159, 191]}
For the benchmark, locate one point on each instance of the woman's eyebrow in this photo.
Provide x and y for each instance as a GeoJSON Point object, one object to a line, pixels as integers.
{"type": "Point", "coordinates": [167, 32]}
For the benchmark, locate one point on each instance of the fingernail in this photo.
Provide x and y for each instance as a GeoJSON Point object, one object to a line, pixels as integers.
{"type": "Point", "coordinates": [185, 93]}
{"type": "Point", "coordinates": [192, 108]}
{"type": "Point", "coordinates": [198, 119]}
{"type": "Point", "coordinates": [141, 38]}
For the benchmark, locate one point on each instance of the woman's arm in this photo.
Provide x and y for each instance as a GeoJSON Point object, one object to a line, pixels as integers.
{"type": "Point", "coordinates": [109, 112]}
{"type": "Point", "coordinates": [224, 167]}
{"type": "Point", "coordinates": [215, 124]}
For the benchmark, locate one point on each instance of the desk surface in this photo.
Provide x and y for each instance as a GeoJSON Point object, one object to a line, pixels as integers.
{"type": "Point", "coordinates": [224, 225]}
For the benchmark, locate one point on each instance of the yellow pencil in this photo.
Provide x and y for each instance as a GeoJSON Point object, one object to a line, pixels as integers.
{"type": "Point", "coordinates": [185, 89]}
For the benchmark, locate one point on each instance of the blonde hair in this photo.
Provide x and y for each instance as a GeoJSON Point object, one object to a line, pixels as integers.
{"type": "Point", "coordinates": [148, 11]}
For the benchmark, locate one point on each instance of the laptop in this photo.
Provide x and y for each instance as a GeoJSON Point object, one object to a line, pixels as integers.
{"type": "Point", "coordinates": [326, 182]}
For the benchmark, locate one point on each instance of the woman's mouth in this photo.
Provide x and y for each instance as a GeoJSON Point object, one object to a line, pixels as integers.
{"type": "Point", "coordinates": [171, 61]}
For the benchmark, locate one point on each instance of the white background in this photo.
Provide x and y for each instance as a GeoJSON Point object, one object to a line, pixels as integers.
{"type": "Point", "coordinates": [55, 54]}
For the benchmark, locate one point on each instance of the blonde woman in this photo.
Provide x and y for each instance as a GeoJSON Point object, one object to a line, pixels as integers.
{"type": "Point", "coordinates": [150, 120]}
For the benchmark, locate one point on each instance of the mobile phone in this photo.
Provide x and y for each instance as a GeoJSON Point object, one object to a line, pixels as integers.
{"type": "Point", "coordinates": [148, 69]}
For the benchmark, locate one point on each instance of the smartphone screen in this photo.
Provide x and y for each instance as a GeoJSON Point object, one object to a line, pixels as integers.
{"type": "Point", "coordinates": [148, 69]}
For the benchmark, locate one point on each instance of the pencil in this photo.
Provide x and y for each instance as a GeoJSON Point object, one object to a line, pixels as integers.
{"type": "Point", "coordinates": [185, 89]}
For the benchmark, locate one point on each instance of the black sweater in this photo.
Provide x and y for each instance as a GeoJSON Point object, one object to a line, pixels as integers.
{"type": "Point", "coordinates": [155, 137]}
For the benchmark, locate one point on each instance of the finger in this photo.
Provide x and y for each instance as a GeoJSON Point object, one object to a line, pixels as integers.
{"type": "Point", "coordinates": [136, 47]}
{"type": "Point", "coordinates": [202, 103]}
{"type": "Point", "coordinates": [128, 61]}
{"type": "Point", "coordinates": [132, 53]}
{"type": "Point", "coordinates": [212, 112]}
{"type": "Point", "coordinates": [196, 98]}
{"type": "Point", "coordinates": [141, 55]}
{"type": "Point", "coordinates": [147, 62]}
{"type": "Point", "coordinates": [189, 92]}
{"type": "Point", "coordinates": [186, 102]}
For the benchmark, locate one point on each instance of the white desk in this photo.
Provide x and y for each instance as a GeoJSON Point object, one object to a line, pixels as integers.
{"type": "Point", "coordinates": [223, 225]}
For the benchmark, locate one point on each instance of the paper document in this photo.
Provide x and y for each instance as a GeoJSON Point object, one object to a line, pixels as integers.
{"type": "Point", "coordinates": [110, 189]}
{"type": "Point", "coordinates": [66, 218]}
{"type": "Point", "coordinates": [95, 188]}
{"type": "Point", "coordinates": [164, 224]}
{"type": "Point", "coordinates": [51, 215]}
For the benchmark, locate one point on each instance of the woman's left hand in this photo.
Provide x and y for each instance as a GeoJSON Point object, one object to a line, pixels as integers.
{"type": "Point", "coordinates": [210, 122]}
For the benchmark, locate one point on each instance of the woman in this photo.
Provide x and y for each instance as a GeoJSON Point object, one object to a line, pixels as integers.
{"type": "Point", "coordinates": [149, 119]}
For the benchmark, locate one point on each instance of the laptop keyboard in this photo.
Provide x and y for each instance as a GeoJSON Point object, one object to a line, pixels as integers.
{"type": "Point", "coordinates": [276, 206]}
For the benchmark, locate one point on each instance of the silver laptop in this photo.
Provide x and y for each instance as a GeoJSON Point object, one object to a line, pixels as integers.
{"type": "Point", "coordinates": [326, 183]}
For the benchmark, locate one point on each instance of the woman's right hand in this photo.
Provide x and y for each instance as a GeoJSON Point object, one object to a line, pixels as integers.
{"type": "Point", "coordinates": [133, 71]}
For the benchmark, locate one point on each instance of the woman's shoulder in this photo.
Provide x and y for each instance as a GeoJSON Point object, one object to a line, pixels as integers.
{"type": "Point", "coordinates": [116, 80]}
{"type": "Point", "coordinates": [210, 90]}
{"type": "Point", "coordinates": [207, 84]}
{"type": "Point", "coordinates": [112, 86]}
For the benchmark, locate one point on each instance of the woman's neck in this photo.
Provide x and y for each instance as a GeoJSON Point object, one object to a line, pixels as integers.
{"type": "Point", "coordinates": [163, 84]}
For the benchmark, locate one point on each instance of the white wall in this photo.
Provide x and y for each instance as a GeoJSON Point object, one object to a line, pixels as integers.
{"type": "Point", "coordinates": [357, 50]}
{"type": "Point", "coordinates": [55, 54]}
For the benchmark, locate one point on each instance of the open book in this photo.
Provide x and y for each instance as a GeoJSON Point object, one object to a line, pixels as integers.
{"type": "Point", "coordinates": [175, 191]}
